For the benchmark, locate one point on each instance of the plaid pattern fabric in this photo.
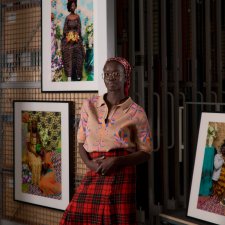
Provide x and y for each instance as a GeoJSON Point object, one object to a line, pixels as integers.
{"type": "Point", "coordinates": [107, 200]}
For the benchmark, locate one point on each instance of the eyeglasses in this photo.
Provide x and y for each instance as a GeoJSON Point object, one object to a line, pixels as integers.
{"type": "Point", "coordinates": [111, 76]}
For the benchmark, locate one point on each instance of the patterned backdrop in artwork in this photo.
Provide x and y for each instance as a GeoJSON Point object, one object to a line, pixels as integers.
{"type": "Point", "coordinates": [220, 135]}
{"type": "Point", "coordinates": [49, 124]}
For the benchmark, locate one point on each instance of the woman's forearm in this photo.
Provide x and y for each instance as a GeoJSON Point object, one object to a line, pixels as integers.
{"type": "Point", "coordinates": [83, 154]}
{"type": "Point", "coordinates": [120, 161]}
{"type": "Point", "coordinates": [133, 159]}
{"type": "Point", "coordinates": [86, 159]}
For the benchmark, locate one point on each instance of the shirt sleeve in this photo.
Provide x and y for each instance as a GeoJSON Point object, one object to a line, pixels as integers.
{"type": "Point", "coordinates": [144, 135]}
{"type": "Point", "coordinates": [83, 128]}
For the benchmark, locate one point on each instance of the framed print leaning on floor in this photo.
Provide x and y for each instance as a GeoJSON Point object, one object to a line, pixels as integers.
{"type": "Point", "coordinates": [74, 44]}
{"type": "Point", "coordinates": [207, 197]}
{"type": "Point", "coordinates": [42, 156]}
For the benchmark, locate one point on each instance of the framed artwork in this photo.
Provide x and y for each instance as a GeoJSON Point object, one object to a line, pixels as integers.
{"type": "Point", "coordinates": [207, 197]}
{"type": "Point", "coordinates": [43, 162]}
{"type": "Point", "coordinates": [74, 44]}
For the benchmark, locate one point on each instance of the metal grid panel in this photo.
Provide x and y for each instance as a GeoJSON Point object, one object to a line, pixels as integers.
{"type": "Point", "coordinates": [20, 75]}
{"type": "Point", "coordinates": [21, 29]}
{"type": "Point", "coordinates": [12, 209]}
{"type": "Point", "coordinates": [25, 213]}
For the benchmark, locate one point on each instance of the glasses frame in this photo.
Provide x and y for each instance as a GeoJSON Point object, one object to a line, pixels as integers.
{"type": "Point", "coordinates": [111, 76]}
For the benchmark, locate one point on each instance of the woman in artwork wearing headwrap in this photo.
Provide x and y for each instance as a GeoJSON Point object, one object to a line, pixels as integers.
{"type": "Point", "coordinates": [114, 136]}
{"type": "Point", "coordinates": [72, 46]}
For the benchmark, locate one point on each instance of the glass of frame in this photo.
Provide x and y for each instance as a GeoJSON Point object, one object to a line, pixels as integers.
{"type": "Point", "coordinates": [207, 191]}
{"type": "Point", "coordinates": [42, 158]}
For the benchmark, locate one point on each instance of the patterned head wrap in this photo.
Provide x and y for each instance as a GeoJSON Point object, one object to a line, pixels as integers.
{"type": "Point", "coordinates": [127, 68]}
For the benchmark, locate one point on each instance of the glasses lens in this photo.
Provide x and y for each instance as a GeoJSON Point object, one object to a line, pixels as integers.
{"type": "Point", "coordinates": [106, 75]}
{"type": "Point", "coordinates": [114, 75]}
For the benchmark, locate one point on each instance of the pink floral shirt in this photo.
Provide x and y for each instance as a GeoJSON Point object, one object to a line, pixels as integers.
{"type": "Point", "coordinates": [126, 127]}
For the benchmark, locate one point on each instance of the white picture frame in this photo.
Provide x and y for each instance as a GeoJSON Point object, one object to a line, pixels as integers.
{"type": "Point", "coordinates": [204, 202]}
{"type": "Point", "coordinates": [103, 45]}
{"type": "Point", "coordinates": [31, 183]}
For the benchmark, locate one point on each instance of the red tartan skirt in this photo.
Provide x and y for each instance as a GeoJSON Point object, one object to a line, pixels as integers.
{"type": "Point", "coordinates": [108, 200]}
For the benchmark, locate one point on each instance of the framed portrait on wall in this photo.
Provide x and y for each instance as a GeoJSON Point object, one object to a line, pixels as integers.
{"type": "Point", "coordinates": [74, 44]}
{"type": "Point", "coordinates": [207, 197]}
{"type": "Point", "coordinates": [43, 165]}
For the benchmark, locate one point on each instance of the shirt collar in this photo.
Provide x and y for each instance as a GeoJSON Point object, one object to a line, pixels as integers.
{"type": "Point", "coordinates": [125, 105]}
{"type": "Point", "coordinates": [101, 101]}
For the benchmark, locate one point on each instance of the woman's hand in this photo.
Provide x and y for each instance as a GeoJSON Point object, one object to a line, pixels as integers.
{"type": "Point", "coordinates": [106, 165]}
{"type": "Point", "coordinates": [92, 165]}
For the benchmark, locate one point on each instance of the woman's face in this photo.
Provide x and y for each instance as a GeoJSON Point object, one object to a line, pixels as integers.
{"type": "Point", "coordinates": [73, 7]}
{"type": "Point", "coordinates": [223, 150]}
{"type": "Point", "coordinates": [52, 16]}
{"type": "Point", "coordinates": [114, 76]}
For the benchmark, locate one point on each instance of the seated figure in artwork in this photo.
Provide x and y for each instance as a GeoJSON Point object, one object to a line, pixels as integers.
{"type": "Point", "coordinates": [40, 163]}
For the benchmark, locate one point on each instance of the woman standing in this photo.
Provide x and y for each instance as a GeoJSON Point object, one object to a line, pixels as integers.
{"type": "Point", "coordinates": [113, 136]}
{"type": "Point", "coordinates": [72, 46]}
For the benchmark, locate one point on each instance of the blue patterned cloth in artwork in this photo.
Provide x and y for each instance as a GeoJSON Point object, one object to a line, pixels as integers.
{"type": "Point", "coordinates": [89, 63]}
{"type": "Point", "coordinates": [207, 171]}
